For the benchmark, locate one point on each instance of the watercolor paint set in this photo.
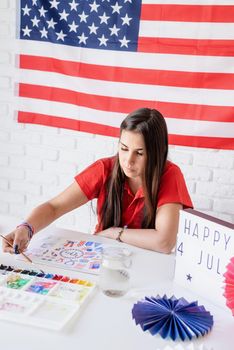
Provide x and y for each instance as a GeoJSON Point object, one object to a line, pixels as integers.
{"type": "Point", "coordinates": [41, 299]}
{"type": "Point", "coordinates": [65, 253]}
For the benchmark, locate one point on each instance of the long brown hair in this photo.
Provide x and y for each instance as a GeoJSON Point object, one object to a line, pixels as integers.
{"type": "Point", "coordinates": [151, 124]}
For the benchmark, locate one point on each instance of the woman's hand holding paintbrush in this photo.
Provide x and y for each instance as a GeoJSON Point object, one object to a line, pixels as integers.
{"type": "Point", "coordinates": [10, 247]}
{"type": "Point", "coordinates": [16, 250]}
{"type": "Point", "coordinates": [16, 242]}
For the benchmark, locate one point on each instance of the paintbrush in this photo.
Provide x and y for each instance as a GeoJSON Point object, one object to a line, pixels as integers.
{"type": "Point", "coordinates": [24, 255]}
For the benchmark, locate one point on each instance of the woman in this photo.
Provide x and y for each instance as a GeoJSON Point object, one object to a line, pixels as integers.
{"type": "Point", "coordinates": [139, 192]}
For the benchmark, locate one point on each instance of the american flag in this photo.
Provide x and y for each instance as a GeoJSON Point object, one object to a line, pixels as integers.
{"type": "Point", "coordinates": [84, 65]}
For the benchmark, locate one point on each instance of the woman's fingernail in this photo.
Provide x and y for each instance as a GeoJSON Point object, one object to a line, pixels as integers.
{"type": "Point", "coordinates": [16, 249]}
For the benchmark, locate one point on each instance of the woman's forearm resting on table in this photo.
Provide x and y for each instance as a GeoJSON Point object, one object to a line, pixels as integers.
{"type": "Point", "coordinates": [161, 239]}
{"type": "Point", "coordinates": [143, 238]}
{"type": "Point", "coordinates": [148, 239]}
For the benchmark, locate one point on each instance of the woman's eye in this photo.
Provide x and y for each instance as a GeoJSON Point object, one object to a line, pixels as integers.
{"type": "Point", "coordinates": [123, 149]}
{"type": "Point", "coordinates": [139, 154]}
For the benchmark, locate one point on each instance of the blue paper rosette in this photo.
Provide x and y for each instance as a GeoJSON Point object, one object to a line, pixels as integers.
{"type": "Point", "coordinates": [172, 317]}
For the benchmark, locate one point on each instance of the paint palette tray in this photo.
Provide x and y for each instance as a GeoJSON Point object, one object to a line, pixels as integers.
{"type": "Point", "coordinates": [43, 300]}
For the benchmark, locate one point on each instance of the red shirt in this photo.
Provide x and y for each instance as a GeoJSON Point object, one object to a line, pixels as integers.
{"type": "Point", "coordinates": [172, 189]}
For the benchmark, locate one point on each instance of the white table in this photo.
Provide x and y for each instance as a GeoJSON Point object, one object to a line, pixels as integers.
{"type": "Point", "coordinates": [106, 323]}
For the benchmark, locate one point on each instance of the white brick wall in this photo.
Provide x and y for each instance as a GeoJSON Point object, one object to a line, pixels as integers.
{"type": "Point", "coordinates": [37, 162]}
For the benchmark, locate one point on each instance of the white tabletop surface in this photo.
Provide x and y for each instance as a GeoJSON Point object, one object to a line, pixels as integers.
{"type": "Point", "coordinates": [105, 322]}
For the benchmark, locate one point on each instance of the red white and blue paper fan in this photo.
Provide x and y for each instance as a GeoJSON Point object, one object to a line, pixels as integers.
{"type": "Point", "coordinates": [229, 285]}
{"type": "Point", "coordinates": [172, 317]}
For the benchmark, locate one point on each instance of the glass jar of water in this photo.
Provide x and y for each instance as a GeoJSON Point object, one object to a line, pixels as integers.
{"type": "Point", "coordinates": [115, 271]}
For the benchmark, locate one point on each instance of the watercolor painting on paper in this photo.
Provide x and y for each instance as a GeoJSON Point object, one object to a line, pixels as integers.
{"type": "Point", "coordinates": [70, 254]}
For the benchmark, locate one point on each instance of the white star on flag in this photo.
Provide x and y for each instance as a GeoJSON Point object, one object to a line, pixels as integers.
{"type": "Point", "coordinates": [94, 6]}
{"type": "Point", "coordinates": [42, 11]}
{"type": "Point", "coordinates": [73, 5]}
{"type": "Point", "coordinates": [73, 27]}
{"type": "Point", "coordinates": [104, 18]}
{"type": "Point", "coordinates": [44, 33]}
{"type": "Point", "coordinates": [63, 15]}
{"type": "Point", "coordinates": [54, 4]}
{"type": "Point", "coordinates": [26, 10]}
{"type": "Point", "coordinates": [51, 23]}
{"type": "Point", "coordinates": [93, 29]}
{"type": "Point", "coordinates": [35, 21]}
{"type": "Point", "coordinates": [82, 38]}
{"type": "Point", "coordinates": [124, 41]}
{"type": "Point", "coordinates": [116, 8]}
{"type": "Point", "coordinates": [26, 31]}
{"type": "Point", "coordinates": [83, 17]}
{"type": "Point", "coordinates": [126, 20]}
{"type": "Point", "coordinates": [114, 30]}
{"type": "Point", "coordinates": [102, 40]}
{"type": "Point", "coordinates": [61, 35]}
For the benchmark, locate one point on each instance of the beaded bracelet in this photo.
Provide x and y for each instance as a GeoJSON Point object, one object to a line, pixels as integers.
{"type": "Point", "coordinates": [29, 227]}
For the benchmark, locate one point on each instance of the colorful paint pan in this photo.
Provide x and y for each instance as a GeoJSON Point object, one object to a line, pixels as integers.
{"type": "Point", "coordinates": [17, 270]}
{"type": "Point", "coordinates": [3, 267]}
{"type": "Point", "coordinates": [16, 281]}
{"type": "Point", "coordinates": [65, 279]}
{"type": "Point", "coordinates": [41, 287]}
{"type": "Point", "coordinates": [74, 280]}
{"type": "Point", "coordinates": [40, 274]}
{"type": "Point", "coordinates": [57, 277]}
